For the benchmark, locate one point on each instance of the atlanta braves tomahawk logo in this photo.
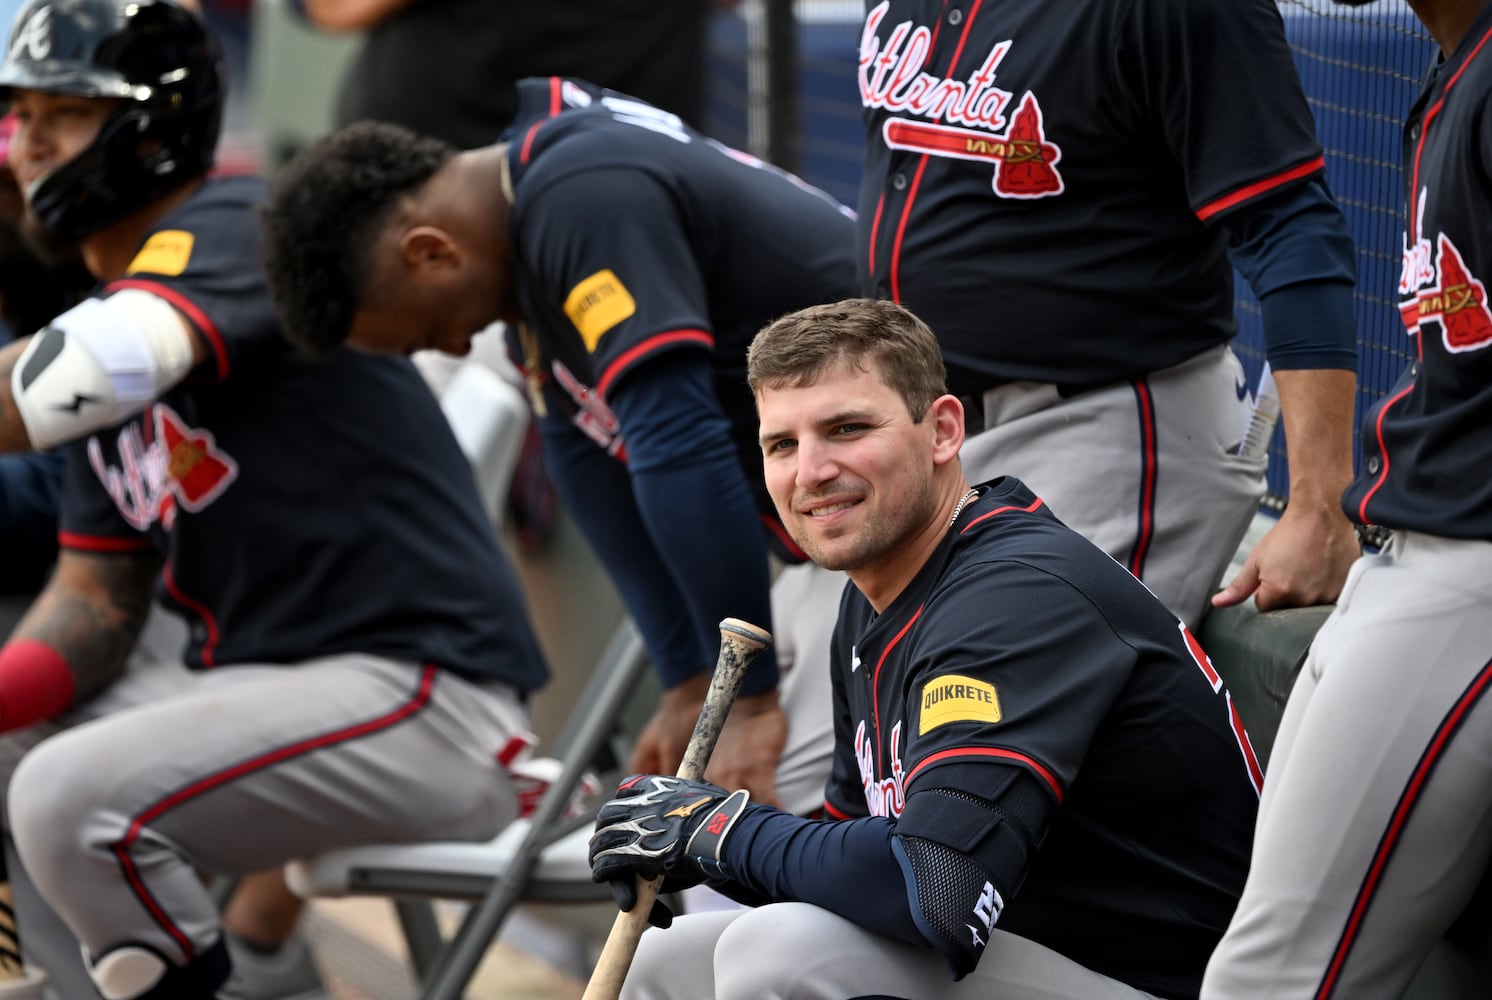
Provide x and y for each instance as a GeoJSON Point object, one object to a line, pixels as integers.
{"type": "Point", "coordinates": [966, 119]}
{"type": "Point", "coordinates": [182, 466]}
{"type": "Point", "coordinates": [1437, 287]}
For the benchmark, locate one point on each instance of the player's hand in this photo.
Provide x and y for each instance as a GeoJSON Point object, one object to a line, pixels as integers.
{"type": "Point", "coordinates": [746, 754]}
{"type": "Point", "coordinates": [1303, 560]}
{"type": "Point", "coordinates": [660, 746]}
{"type": "Point", "coordinates": [657, 825]}
{"type": "Point", "coordinates": [750, 747]}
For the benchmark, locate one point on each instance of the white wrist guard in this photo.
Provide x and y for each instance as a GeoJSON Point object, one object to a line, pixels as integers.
{"type": "Point", "coordinates": [98, 363]}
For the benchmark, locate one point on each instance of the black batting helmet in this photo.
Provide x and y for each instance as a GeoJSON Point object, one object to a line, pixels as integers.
{"type": "Point", "coordinates": [156, 57]}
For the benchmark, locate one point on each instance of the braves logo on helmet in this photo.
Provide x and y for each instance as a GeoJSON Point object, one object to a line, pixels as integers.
{"type": "Point", "coordinates": [33, 39]}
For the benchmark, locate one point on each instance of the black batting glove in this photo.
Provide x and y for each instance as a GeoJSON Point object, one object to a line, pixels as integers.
{"type": "Point", "coordinates": [657, 825]}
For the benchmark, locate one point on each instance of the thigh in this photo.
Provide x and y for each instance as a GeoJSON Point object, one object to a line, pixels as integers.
{"type": "Point", "coordinates": [800, 951]}
{"type": "Point", "coordinates": [678, 963]}
{"type": "Point", "coordinates": [1142, 469]}
{"type": "Point", "coordinates": [260, 765]}
{"type": "Point", "coordinates": [1376, 823]}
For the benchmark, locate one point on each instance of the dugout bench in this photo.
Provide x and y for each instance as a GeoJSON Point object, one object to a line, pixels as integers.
{"type": "Point", "coordinates": [1258, 656]}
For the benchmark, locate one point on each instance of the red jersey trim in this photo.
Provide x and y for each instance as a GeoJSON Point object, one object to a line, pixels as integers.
{"type": "Point", "coordinates": [1149, 470]}
{"type": "Point", "coordinates": [189, 309]}
{"type": "Point", "coordinates": [202, 611]}
{"type": "Point", "coordinates": [1254, 190]}
{"type": "Point", "coordinates": [1040, 770]}
{"type": "Point", "coordinates": [1035, 504]}
{"type": "Point", "coordinates": [656, 342]}
{"type": "Point", "coordinates": [1424, 130]}
{"type": "Point", "coordinates": [875, 681]}
{"type": "Point", "coordinates": [101, 543]}
{"type": "Point", "coordinates": [834, 813]}
{"type": "Point", "coordinates": [1362, 508]}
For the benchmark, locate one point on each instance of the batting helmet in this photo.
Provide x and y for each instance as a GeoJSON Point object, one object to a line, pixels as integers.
{"type": "Point", "coordinates": [155, 57]}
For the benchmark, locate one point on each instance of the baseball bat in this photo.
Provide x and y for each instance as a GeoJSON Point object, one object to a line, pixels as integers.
{"type": "Point", "coordinates": [10, 939]}
{"type": "Point", "coordinates": [740, 643]}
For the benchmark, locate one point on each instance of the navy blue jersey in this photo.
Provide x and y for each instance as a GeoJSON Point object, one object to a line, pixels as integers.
{"type": "Point", "coordinates": [1042, 179]}
{"type": "Point", "coordinates": [304, 509]}
{"type": "Point", "coordinates": [636, 235]}
{"type": "Point", "coordinates": [1420, 444]}
{"type": "Point", "coordinates": [1020, 644]}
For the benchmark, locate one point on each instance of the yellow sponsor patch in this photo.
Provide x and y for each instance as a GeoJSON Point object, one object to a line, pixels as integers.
{"type": "Point", "coordinates": [957, 699]}
{"type": "Point", "coordinates": [166, 252]}
{"type": "Point", "coordinates": [597, 304]}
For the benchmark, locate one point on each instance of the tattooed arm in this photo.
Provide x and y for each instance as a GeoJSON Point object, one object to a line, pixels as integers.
{"type": "Point", "coordinates": [89, 615]}
{"type": "Point", "coordinates": [13, 436]}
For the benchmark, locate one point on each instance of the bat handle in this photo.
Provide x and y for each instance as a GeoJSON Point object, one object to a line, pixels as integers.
{"type": "Point", "coordinates": [740, 644]}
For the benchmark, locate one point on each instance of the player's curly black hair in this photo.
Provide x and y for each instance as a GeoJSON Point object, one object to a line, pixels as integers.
{"type": "Point", "coordinates": [319, 221]}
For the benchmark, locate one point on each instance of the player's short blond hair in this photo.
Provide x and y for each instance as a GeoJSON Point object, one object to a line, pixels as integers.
{"type": "Point", "coordinates": [794, 350]}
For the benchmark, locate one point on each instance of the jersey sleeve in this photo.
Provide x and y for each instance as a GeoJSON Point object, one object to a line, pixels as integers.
{"type": "Point", "coordinates": [1230, 104]}
{"type": "Point", "coordinates": [91, 520]}
{"type": "Point", "coordinates": [204, 261]}
{"type": "Point", "coordinates": [1017, 668]}
{"type": "Point", "coordinates": [609, 253]}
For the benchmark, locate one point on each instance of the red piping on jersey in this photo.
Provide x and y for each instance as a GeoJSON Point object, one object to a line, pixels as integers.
{"type": "Point", "coordinates": [100, 543]}
{"type": "Point", "coordinates": [1362, 508]}
{"type": "Point", "coordinates": [1000, 510]}
{"type": "Point", "coordinates": [528, 141]}
{"type": "Point", "coordinates": [1145, 528]}
{"type": "Point", "coordinates": [210, 646]}
{"type": "Point", "coordinates": [1424, 130]}
{"type": "Point", "coordinates": [555, 101]}
{"type": "Point", "coordinates": [417, 701]}
{"type": "Point", "coordinates": [1257, 188]}
{"type": "Point", "coordinates": [780, 533]}
{"type": "Point", "coordinates": [906, 210]}
{"type": "Point", "coordinates": [653, 343]}
{"type": "Point", "coordinates": [1041, 770]}
{"type": "Point", "coordinates": [835, 813]}
{"type": "Point", "coordinates": [875, 681]}
{"type": "Point", "coordinates": [1434, 753]}
{"type": "Point", "coordinates": [189, 309]}
{"type": "Point", "coordinates": [875, 229]}
{"type": "Point", "coordinates": [1246, 747]}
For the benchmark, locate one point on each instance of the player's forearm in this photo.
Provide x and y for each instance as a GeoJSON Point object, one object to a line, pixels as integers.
{"type": "Point", "coordinates": [89, 616]}
{"type": "Point", "coordinates": [1316, 406]}
{"type": "Point", "coordinates": [13, 437]}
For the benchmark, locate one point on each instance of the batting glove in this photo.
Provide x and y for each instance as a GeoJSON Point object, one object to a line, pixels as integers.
{"type": "Point", "coordinates": [659, 825]}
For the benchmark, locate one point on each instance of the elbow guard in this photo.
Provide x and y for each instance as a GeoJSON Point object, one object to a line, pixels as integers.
{"type": "Point", "coordinates": [99, 363]}
{"type": "Point", "coordinates": [962, 857]}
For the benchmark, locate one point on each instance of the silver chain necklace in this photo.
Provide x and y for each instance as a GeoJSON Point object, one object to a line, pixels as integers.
{"type": "Point", "coordinates": [959, 509]}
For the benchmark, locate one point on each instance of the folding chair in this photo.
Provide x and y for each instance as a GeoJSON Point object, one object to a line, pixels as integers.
{"type": "Point", "coordinates": [540, 859]}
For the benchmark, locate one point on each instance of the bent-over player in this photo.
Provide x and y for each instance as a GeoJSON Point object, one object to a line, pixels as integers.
{"type": "Point", "coordinates": [317, 526]}
{"type": "Point", "coordinates": [1040, 784]}
{"type": "Point", "coordinates": [1061, 192]}
{"type": "Point", "coordinates": [633, 259]}
{"type": "Point", "coordinates": [1374, 828]}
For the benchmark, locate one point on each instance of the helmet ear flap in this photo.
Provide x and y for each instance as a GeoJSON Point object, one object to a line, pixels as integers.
{"type": "Point", "coordinates": [154, 55]}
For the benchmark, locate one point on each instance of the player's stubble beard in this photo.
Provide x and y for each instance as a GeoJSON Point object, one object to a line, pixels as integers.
{"type": "Point", "coordinates": [884, 529]}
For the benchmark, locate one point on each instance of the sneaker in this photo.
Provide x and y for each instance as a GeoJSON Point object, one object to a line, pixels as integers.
{"type": "Point", "coordinates": [287, 974]}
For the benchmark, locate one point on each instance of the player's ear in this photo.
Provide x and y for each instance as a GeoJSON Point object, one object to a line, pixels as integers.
{"type": "Point", "coordinates": [429, 248]}
{"type": "Point", "coordinates": [947, 416]}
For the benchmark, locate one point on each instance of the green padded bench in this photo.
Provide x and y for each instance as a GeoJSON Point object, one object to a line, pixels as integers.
{"type": "Point", "coordinates": [1258, 656]}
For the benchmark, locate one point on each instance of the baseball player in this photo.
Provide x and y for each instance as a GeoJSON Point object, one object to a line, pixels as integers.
{"type": "Point", "coordinates": [633, 259]}
{"type": "Point", "coordinates": [1033, 757]}
{"type": "Point", "coordinates": [1061, 192]}
{"type": "Point", "coordinates": [1374, 829]}
{"type": "Point", "coordinates": [316, 525]}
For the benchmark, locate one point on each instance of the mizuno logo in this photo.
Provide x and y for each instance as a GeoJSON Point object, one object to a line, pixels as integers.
{"type": "Point", "coordinates": [1242, 388]}
{"type": "Point", "coordinates": [77, 402]}
{"type": "Point", "coordinates": [688, 810]}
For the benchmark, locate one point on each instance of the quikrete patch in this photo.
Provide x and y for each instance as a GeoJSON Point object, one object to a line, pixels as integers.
{"type": "Point", "coordinates": [167, 252]}
{"type": "Point", "coordinates": [955, 698]}
{"type": "Point", "coordinates": [597, 304]}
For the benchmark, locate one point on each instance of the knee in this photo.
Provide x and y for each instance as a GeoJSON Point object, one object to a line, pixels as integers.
{"type": "Point", "coordinates": [789, 933]}
{"type": "Point", "coordinates": [49, 803]}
